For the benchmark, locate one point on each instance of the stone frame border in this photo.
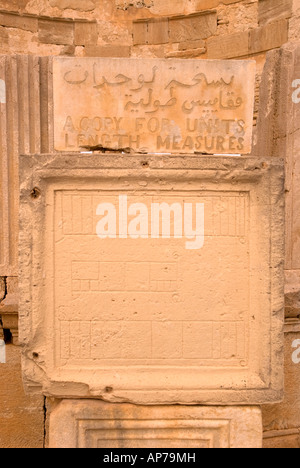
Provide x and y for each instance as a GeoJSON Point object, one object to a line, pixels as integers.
{"type": "Point", "coordinates": [37, 171]}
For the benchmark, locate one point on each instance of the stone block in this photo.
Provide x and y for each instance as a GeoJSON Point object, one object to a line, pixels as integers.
{"type": "Point", "coordinates": [126, 309]}
{"type": "Point", "coordinates": [140, 32]}
{"type": "Point", "coordinates": [86, 33]}
{"type": "Point", "coordinates": [268, 37]}
{"type": "Point", "coordinates": [230, 46]}
{"type": "Point", "coordinates": [56, 32]}
{"type": "Point", "coordinates": [153, 105]}
{"type": "Point", "coordinates": [192, 45]}
{"type": "Point", "coordinates": [95, 424]}
{"type": "Point", "coordinates": [193, 27]}
{"type": "Point", "coordinates": [10, 20]}
{"type": "Point", "coordinates": [269, 11]}
{"type": "Point", "coordinates": [155, 31]}
{"type": "Point", "coordinates": [107, 51]}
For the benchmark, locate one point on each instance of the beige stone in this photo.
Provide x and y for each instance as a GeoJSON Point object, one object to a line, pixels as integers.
{"type": "Point", "coordinates": [151, 32]}
{"type": "Point", "coordinates": [19, 133]}
{"type": "Point", "coordinates": [230, 46]}
{"type": "Point", "coordinates": [152, 105]}
{"type": "Point", "coordinates": [95, 424]}
{"type": "Point", "coordinates": [294, 32]}
{"type": "Point", "coordinates": [13, 5]}
{"type": "Point", "coordinates": [193, 27]}
{"type": "Point", "coordinates": [125, 318]}
{"type": "Point", "coordinates": [292, 294]}
{"type": "Point", "coordinates": [281, 422]}
{"type": "Point", "coordinates": [279, 135]}
{"type": "Point", "coordinates": [19, 21]}
{"type": "Point", "coordinates": [207, 4]}
{"type": "Point", "coordinates": [107, 51]}
{"type": "Point", "coordinates": [269, 11]}
{"type": "Point", "coordinates": [56, 32]}
{"type": "Point", "coordinates": [192, 45]}
{"type": "Point", "coordinates": [191, 53]}
{"type": "Point", "coordinates": [86, 33]}
{"type": "Point", "coordinates": [81, 5]}
{"type": "Point", "coordinates": [21, 416]}
{"type": "Point", "coordinates": [277, 130]}
{"type": "Point", "coordinates": [268, 37]}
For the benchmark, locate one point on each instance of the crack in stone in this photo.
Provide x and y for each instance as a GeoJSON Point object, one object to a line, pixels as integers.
{"type": "Point", "coordinates": [104, 149]}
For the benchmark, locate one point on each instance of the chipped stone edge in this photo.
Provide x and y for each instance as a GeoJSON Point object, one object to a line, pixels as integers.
{"type": "Point", "coordinates": [34, 171]}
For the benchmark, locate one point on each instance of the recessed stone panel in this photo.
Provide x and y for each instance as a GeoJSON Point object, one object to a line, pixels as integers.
{"type": "Point", "coordinates": [153, 105]}
{"type": "Point", "coordinates": [152, 279]}
{"type": "Point", "coordinates": [95, 424]}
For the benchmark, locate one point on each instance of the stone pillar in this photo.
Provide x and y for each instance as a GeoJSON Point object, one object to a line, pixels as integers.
{"type": "Point", "coordinates": [279, 136]}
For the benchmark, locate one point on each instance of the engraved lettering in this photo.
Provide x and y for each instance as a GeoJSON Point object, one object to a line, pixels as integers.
{"type": "Point", "coordinates": [154, 106]}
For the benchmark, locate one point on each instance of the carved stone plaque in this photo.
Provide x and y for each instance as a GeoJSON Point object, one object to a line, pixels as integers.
{"type": "Point", "coordinates": [96, 424]}
{"type": "Point", "coordinates": [152, 279]}
{"type": "Point", "coordinates": [153, 105]}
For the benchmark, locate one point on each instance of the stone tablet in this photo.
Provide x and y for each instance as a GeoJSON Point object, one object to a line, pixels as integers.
{"type": "Point", "coordinates": [96, 424]}
{"type": "Point", "coordinates": [153, 105]}
{"type": "Point", "coordinates": [152, 279]}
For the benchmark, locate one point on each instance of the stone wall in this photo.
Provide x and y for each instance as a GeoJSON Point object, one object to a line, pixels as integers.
{"type": "Point", "coordinates": [208, 29]}
{"type": "Point", "coordinates": [204, 29]}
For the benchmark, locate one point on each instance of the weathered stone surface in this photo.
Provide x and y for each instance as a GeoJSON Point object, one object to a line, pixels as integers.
{"type": "Point", "coordinates": [279, 134]}
{"type": "Point", "coordinates": [230, 46]}
{"type": "Point", "coordinates": [19, 21]}
{"type": "Point", "coordinates": [292, 294]}
{"type": "Point", "coordinates": [133, 299]}
{"type": "Point", "coordinates": [151, 31]}
{"type": "Point", "coordinates": [193, 27]}
{"type": "Point", "coordinates": [153, 105]}
{"type": "Point", "coordinates": [294, 31]}
{"type": "Point", "coordinates": [95, 424]}
{"type": "Point", "coordinates": [281, 422]}
{"type": "Point", "coordinates": [269, 11]}
{"type": "Point", "coordinates": [21, 416]}
{"type": "Point", "coordinates": [26, 126]}
{"type": "Point", "coordinates": [268, 37]}
{"type": "Point", "coordinates": [81, 5]}
{"type": "Point", "coordinates": [56, 32]}
{"type": "Point", "coordinates": [19, 133]}
{"type": "Point", "coordinates": [85, 33]}
{"type": "Point", "coordinates": [107, 51]}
